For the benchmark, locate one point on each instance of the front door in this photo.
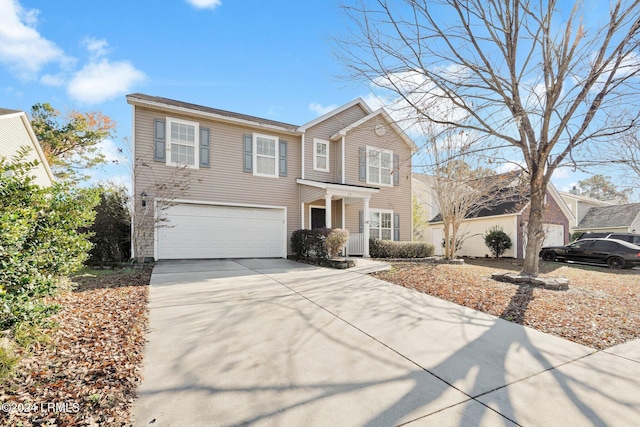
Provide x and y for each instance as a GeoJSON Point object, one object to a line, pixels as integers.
{"type": "Point", "coordinates": [318, 218]}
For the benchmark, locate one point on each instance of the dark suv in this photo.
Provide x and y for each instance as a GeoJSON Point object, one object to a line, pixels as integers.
{"type": "Point", "coordinates": [627, 237]}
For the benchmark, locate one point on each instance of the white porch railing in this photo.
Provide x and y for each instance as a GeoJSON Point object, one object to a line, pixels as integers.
{"type": "Point", "coordinates": [356, 244]}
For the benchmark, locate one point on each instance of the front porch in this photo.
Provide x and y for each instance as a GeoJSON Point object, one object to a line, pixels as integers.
{"type": "Point", "coordinates": [338, 206]}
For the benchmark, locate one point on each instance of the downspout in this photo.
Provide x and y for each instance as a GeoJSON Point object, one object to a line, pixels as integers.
{"type": "Point", "coordinates": [133, 180]}
{"type": "Point", "coordinates": [343, 181]}
{"type": "Point", "coordinates": [302, 160]}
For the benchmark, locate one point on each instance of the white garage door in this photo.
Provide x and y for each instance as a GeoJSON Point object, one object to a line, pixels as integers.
{"type": "Point", "coordinates": [554, 235]}
{"type": "Point", "coordinates": [204, 231]}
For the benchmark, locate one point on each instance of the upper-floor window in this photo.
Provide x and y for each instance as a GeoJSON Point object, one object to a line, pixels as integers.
{"type": "Point", "coordinates": [265, 149]}
{"type": "Point", "coordinates": [183, 142]}
{"type": "Point", "coordinates": [379, 166]}
{"type": "Point", "coordinates": [321, 155]}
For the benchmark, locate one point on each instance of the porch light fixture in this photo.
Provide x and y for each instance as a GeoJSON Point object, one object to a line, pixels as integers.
{"type": "Point", "coordinates": [144, 198]}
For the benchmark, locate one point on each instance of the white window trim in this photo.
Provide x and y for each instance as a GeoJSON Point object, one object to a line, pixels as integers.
{"type": "Point", "coordinates": [379, 150]}
{"type": "Point", "coordinates": [389, 211]}
{"type": "Point", "coordinates": [196, 142]}
{"type": "Point", "coordinates": [323, 207]}
{"type": "Point", "coordinates": [255, 155]}
{"type": "Point", "coordinates": [317, 141]}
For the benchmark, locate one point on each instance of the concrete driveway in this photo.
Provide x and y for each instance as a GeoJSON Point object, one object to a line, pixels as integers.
{"type": "Point", "coordinates": [278, 343]}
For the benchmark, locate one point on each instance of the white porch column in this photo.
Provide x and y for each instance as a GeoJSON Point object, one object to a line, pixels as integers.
{"type": "Point", "coordinates": [327, 207]}
{"type": "Point", "coordinates": [365, 228]}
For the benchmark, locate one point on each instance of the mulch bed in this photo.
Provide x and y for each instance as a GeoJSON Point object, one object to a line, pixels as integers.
{"type": "Point", "coordinates": [88, 373]}
{"type": "Point", "coordinates": [601, 308]}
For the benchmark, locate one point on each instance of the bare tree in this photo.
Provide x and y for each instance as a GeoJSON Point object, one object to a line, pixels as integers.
{"type": "Point", "coordinates": [529, 75]}
{"type": "Point", "coordinates": [154, 199]}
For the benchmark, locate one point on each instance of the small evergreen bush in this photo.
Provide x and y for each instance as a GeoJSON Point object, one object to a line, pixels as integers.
{"type": "Point", "coordinates": [497, 241]}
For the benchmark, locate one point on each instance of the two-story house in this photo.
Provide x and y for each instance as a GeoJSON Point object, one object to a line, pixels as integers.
{"type": "Point", "coordinates": [253, 181]}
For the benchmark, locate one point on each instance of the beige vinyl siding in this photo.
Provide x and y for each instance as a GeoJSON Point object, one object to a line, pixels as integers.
{"type": "Point", "coordinates": [311, 193]}
{"type": "Point", "coordinates": [224, 181]}
{"type": "Point", "coordinates": [325, 130]}
{"type": "Point", "coordinates": [396, 198]}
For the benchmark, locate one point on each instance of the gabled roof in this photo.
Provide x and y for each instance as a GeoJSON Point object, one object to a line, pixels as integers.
{"type": "Point", "coordinates": [610, 216]}
{"type": "Point", "coordinates": [388, 119]}
{"type": "Point", "coordinates": [16, 132]}
{"type": "Point", "coordinates": [587, 199]}
{"type": "Point", "coordinates": [208, 112]}
{"type": "Point", "coordinates": [357, 101]}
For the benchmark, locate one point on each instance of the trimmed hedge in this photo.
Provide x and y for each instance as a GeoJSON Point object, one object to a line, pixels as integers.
{"type": "Point", "coordinates": [389, 249]}
{"type": "Point", "coordinates": [319, 244]}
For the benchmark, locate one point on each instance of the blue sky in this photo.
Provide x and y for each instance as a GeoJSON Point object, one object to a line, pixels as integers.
{"type": "Point", "coordinates": [270, 59]}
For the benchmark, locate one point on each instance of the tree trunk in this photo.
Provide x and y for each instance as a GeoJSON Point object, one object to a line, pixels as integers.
{"type": "Point", "coordinates": [535, 230]}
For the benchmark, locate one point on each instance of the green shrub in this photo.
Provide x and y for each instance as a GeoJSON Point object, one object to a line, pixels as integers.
{"type": "Point", "coordinates": [39, 241]}
{"type": "Point", "coordinates": [497, 240]}
{"type": "Point", "coordinates": [111, 230]}
{"type": "Point", "coordinates": [310, 244]}
{"type": "Point", "coordinates": [319, 244]}
{"type": "Point", "coordinates": [390, 249]}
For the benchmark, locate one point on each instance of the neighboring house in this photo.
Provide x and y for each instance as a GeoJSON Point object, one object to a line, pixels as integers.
{"type": "Point", "coordinates": [580, 205]}
{"type": "Point", "coordinates": [510, 213]}
{"type": "Point", "coordinates": [618, 218]}
{"type": "Point", "coordinates": [253, 181]}
{"type": "Point", "coordinates": [15, 133]}
{"type": "Point", "coordinates": [423, 189]}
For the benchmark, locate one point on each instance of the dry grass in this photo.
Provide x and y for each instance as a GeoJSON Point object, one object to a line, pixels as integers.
{"type": "Point", "coordinates": [601, 308]}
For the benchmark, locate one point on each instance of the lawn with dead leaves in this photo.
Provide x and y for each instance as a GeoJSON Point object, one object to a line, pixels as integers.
{"type": "Point", "coordinates": [601, 308]}
{"type": "Point", "coordinates": [87, 374]}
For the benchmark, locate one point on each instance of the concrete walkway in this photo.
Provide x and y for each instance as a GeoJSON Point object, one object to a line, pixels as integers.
{"type": "Point", "coordinates": [278, 343]}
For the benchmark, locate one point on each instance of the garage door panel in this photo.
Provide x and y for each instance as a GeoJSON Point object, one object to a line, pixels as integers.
{"type": "Point", "coordinates": [200, 231]}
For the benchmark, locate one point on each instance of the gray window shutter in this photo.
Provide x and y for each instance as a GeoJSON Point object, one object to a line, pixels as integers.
{"type": "Point", "coordinates": [396, 227]}
{"type": "Point", "coordinates": [396, 169]}
{"type": "Point", "coordinates": [361, 219]}
{"type": "Point", "coordinates": [204, 147]}
{"type": "Point", "coordinates": [248, 153]}
{"type": "Point", "coordinates": [362, 160]}
{"type": "Point", "coordinates": [160, 141]}
{"type": "Point", "coordinates": [283, 158]}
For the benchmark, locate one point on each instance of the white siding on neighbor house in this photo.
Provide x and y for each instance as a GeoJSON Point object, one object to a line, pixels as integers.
{"type": "Point", "coordinates": [13, 136]}
{"type": "Point", "coordinates": [473, 232]}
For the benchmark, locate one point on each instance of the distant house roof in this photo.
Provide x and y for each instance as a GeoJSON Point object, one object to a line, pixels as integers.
{"type": "Point", "coordinates": [587, 199]}
{"type": "Point", "coordinates": [510, 204]}
{"type": "Point", "coordinates": [610, 216]}
{"type": "Point", "coordinates": [504, 200]}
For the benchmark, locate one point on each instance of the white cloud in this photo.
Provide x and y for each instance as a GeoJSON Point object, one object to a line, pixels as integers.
{"type": "Point", "coordinates": [104, 80]}
{"type": "Point", "coordinates": [22, 48]}
{"type": "Point", "coordinates": [52, 80]}
{"type": "Point", "coordinates": [96, 47]}
{"type": "Point", "coordinates": [205, 4]}
{"type": "Point", "coordinates": [320, 109]}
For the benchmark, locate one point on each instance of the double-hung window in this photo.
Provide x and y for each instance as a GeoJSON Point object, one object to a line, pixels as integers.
{"type": "Point", "coordinates": [321, 155]}
{"type": "Point", "coordinates": [379, 166]}
{"type": "Point", "coordinates": [381, 225]}
{"type": "Point", "coordinates": [265, 149]}
{"type": "Point", "coordinates": [183, 142]}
